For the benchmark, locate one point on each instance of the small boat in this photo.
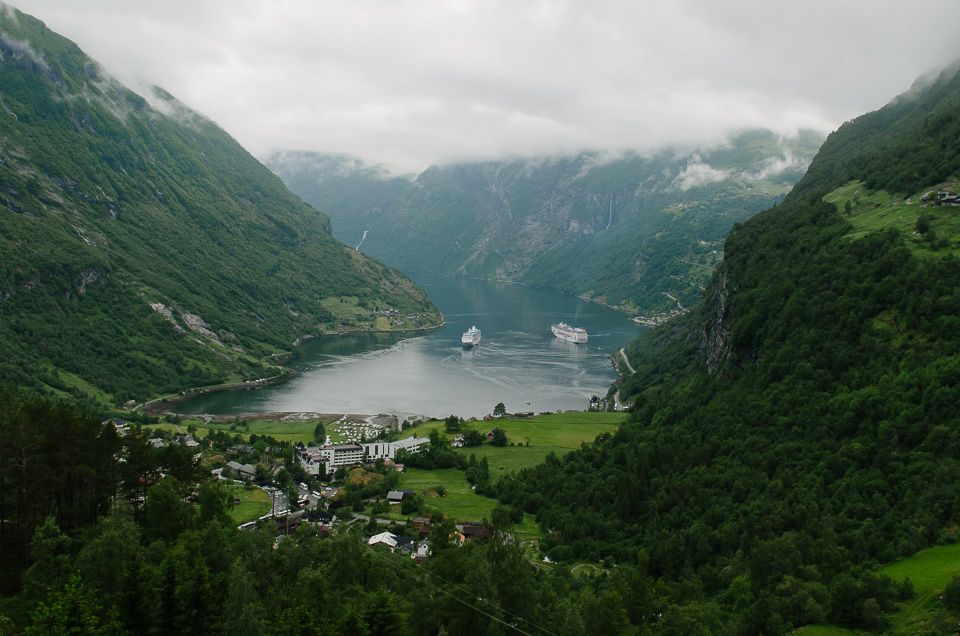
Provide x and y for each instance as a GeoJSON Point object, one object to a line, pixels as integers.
{"type": "Point", "coordinates": [471, 337]}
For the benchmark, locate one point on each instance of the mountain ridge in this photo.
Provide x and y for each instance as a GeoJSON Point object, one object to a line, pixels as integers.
{"type": "Point", "coordinates": [569, 223]}
{"type": "Point", "coordinates": [146, 222]}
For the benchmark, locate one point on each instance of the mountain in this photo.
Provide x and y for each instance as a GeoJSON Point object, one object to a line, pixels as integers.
{"type": "Point", "coordinates": [800, 428]}
{"type": "Point", "coordinates": [143, 251]}
{"type": "Point", "coordinates": [638, 232]}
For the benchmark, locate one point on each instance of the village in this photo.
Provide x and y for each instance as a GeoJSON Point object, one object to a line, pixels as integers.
{"type": "Point", "coordinates": [333, 486]}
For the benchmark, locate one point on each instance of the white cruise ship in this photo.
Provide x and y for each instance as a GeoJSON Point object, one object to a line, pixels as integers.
{"type": "Point", "coordinates": [471, 337]}
{"type": "Point", "coordinates": [573, 334]}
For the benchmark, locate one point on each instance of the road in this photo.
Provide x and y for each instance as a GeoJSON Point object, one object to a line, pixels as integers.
{"type": "Point", "coordinates": [623, 353]}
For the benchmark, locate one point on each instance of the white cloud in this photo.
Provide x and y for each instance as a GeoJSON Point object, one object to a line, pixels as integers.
{"type": "Point", "coordinates": [775, 166]}
{"type": "Point", "coordinates": [413, 82]}
{"type": "Point", "coordinates": [698, 173]}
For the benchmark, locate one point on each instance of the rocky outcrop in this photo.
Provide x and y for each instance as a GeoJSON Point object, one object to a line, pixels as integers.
{"type": "Point", "coordinates": [88, 277]}
{"type": "Point", "coordinates": [715, 332]}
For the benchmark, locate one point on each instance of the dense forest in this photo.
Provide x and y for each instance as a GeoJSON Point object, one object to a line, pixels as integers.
{"type": "Point", "coordinates": [143, 251]}
{"type": "Point", "coordinates": [801, 428]}
{"type": "Point", "coordinates": [106, 534]}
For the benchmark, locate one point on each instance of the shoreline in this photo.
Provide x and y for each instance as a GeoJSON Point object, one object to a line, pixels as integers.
{"type": "Point", "coordinates": [157, 405]}
{"type": "Point", "coordinates": [354, 332]}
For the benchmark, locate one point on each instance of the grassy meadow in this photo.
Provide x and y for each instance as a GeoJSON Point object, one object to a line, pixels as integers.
{"type": "Point", "coordinates": [929, 570]}
{"type": "Point", "coordinates": [293, 431]}
{"type": "Point", "coordinates": [254, 503]}
{"type": "Point", "coordinates": [533, 437]}
{"type": "Point", "coordinates": [875, 211]}
{"type": "Point", "coordinates": [555, 432]}
{"type": "Point", "coordinates": [824, 630]}
{"type": "Point", "coordinates": [459, 501]}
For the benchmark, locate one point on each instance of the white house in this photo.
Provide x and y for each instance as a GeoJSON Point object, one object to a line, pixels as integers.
{"type": "Point", "coordinates": [387, 538]}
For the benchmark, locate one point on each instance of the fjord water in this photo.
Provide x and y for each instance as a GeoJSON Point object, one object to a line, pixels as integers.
{"type": "Point", "coordinates": [518, 360]}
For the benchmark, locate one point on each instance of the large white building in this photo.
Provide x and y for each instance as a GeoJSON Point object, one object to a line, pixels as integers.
{"type": "Point", "coordinates": [322, 460]}
{"type": "Point", "coordinates": [388, 450]}
{"type": "Point", "coordinates": [318, 460]}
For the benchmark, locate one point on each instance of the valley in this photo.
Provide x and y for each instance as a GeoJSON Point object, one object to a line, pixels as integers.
{"type": "Point", "coordinates": [638, 233]}
{"type": "Point", "coordinates": [759, 436]}
{"type": "Point", "coordinates": [519, 362]}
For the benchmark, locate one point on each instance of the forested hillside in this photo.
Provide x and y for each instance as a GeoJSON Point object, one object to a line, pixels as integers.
{"type": "Point", "coordinates": [95, 544]}
{"type": "Point", "coordinates": [638, 232]}
{"type": "Point", "coordinates": [143, 251]}
{"type": "Point", "coordinates": [802, 426]}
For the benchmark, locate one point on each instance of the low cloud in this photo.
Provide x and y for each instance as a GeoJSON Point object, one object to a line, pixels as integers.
{"type": "Point", "coordinates": [698, 173]}
{"type": "Point", "coordinates": [415, 82]}
{"type": "Point", "coordinates": [776, 166]}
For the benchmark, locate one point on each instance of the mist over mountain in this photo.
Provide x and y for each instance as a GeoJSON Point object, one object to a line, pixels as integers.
{"type": "Point", "coordinates": [143, 250]}
{"type": "Point", "coordinates": [789, 458]}
{"type": "Point", "coordinates": [638, 232]}
{"type": "Point", "coordinates": [797, 433]}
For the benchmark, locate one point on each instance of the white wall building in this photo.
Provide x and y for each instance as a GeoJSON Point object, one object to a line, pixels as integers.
{"type": "Point", "coordinates": [321, 460]}
{"type": "Point", "coordinates": [388, 450]}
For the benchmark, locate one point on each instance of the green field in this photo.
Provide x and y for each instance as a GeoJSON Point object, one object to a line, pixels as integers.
{"type": "Point", "coordinates": [875, 211]}
{"type": "Point", "coordinates": [253, 503]}
{"type": "Point", "coordinates": [553, 431]}
{"type": "Point", "coordinates": [929, 570]}
{"type": "Point", "coordinates": [460, 502]}
{"type": "Point", "coordinates": [508, 459]}
{"type": "Point", "coordinates": [823, 630]}
{"type": "Point", "coordinates": [292, 432]}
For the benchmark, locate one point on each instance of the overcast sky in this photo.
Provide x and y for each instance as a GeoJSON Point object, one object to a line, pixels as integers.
{"type": "Point", "coordinates": [410, 83]}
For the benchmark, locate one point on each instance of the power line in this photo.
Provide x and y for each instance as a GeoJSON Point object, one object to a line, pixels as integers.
{"type": "Point", "coordinates": [462, 601]}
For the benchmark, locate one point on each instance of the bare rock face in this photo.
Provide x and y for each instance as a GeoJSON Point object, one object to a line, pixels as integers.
{"type": "Point", "coordinates": [715, 333]}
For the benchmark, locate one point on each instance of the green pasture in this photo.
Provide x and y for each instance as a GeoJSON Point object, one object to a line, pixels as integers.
{"type": "Point", "coordinates": [460, 502]}
{"type": "Point", "coordinates": [560, 430]}
{"type": "Point", "coordinates": [167, 426]}
{"type": "Point", "coordinates": [346, 310]}
{"type": "Point", "coordinates": [74, 381]}
{"type": "Point", "coordinates": [254, 503]}
{"type": "Point", "coordinates": [292, 432]}
{"type": "Point", "coordinates": [507, 459]}
{"type": "Point", "coordinates": [823, 630]}
{"type": "Point", "coordinates": [875, 211]}
{"type": "Point", "coordinates": [929, 570]}
{"type": "Point", "coordinates": [554, 432]}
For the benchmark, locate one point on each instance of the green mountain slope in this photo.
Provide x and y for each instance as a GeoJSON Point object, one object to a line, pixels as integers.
{"type": "Point", "coordinates": [801, 427]}
{"type": "Point", "coordinates": [642, 233]}
{"type": "Point", "coordinates": [143, 250]}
